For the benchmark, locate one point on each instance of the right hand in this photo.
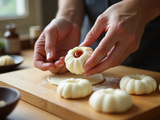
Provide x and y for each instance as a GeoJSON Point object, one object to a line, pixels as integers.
{"type": "Point", "coordinates": [124, 24]}
{"type": "Point", "coordinates": [53, 44]}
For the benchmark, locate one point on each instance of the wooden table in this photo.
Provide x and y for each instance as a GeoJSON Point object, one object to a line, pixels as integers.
{"type": "Point", "coordinates": [28, 80]}
{"type": "Point", "coordinates": [24, 110]}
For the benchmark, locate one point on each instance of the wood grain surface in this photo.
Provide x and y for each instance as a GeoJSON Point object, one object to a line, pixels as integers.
{"type": "Point", "coordinates": [37, 91]}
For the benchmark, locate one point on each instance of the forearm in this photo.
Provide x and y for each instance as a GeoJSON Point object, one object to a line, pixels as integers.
{"type": "Point", "coordinates": [72, 10]}
{"type": "Point", "coordinates": [150, 8]}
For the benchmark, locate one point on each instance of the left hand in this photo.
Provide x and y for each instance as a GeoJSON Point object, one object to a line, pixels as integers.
{"type": "Point", "coordinates": [53, 44]}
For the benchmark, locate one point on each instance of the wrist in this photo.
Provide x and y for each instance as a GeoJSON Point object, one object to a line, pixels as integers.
{"type": "Point", "coordinates": [72, 10]}
{"type": "Point", "coordinates": [71, 16]}
{"type": "Point", "coordinates": [149, 9]}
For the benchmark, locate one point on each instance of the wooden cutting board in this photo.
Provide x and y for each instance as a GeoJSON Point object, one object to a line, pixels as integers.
{"type": "Point", "coordinates": [35, 89]}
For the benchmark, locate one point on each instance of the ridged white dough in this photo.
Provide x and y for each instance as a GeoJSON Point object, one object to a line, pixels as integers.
{"type": "Point", "coordinates": [110, 100]}
{"type": "Point", "coordinates": [74, 88]}
{"type": "Point", "coordinates": [75, 65]}
{"type": "Point", "coordinates": [6, 60]}
{"type": "Point", "coordinates": [138, 84]}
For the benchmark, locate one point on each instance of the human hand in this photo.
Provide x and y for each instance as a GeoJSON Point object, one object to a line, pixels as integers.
{"type": "Point", "coordinates": [124, 24]}
{"type": "Point", "coordinates": [53, 44]}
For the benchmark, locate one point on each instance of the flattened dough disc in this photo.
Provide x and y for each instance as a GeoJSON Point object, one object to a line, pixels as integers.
{"type": "Point", "coordinates": [55, 79]}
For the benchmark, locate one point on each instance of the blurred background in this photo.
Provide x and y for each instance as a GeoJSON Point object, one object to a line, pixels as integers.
{"type": "Point", "coordinates": [26, 13]}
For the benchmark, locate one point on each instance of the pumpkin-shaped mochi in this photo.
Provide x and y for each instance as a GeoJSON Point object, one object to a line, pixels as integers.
{"type": "Point", "coordinates": [74, 88]}
{"type": "Point", "coordinates": [110, 100]}
{"type": "Point", "coordinates": [6, 60]}
{"type": "Point", "coordinates": [76, 58]}
{"type": "Point", "coordinates": [138, 84]}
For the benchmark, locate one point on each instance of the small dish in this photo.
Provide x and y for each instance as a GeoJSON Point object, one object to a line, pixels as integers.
{"type": "Point", "coordinates": [17, 59]}
{"type": "Point", "coordinates": [11, 97]}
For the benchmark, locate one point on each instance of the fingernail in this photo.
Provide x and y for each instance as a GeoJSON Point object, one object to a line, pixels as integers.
{"type": "Point", "coordinates": [48, 55]}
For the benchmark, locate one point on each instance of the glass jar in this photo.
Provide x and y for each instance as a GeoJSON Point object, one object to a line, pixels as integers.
{"type": "Point", "coordinates": [11, 41]}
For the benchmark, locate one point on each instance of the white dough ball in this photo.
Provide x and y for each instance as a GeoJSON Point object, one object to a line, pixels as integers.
{"type": "Point", "coordinates": [110, 100]}
{"type": "Point", "coordinates": [76, 58]}
{"type": "Point", "coordinates": [138, 84]}
{"type": "Point", "coordinates": [74, 88]}
{"type": "Point", "coordinates": [6, 60]}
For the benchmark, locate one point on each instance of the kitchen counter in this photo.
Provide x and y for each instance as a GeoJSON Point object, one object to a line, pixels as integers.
{"type": "Point", "coordinates": [41, 98]}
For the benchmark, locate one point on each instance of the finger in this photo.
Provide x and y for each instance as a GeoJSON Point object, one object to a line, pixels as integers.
{"type": "Point", "coordinates": [63, 70]}
{"type": "Point", "coordinates": [59, 63]}
{"type": "Point", "coordinates": [102, 50]}
{"type": "Point", "coordinates": [116, 56]}
{"type": "Point", "coordinates": [59, 69]}
{"type": "Point", "coordinates": [50, 43]}
{"type": "Point", "coordinates": [44, 66]}
{"type": "Point", "coordinates": [39, 55]}
{"type": "Point", "coordinates": [55, 70]}
{"type": "Point", "coordinates": [96, 30]}
{"type": "Point", "coordinates": [39, 52]}
{"type": "Point", "coordinates": [59, 66]}
{"type": "Point", "coordinates": [60, 54]}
